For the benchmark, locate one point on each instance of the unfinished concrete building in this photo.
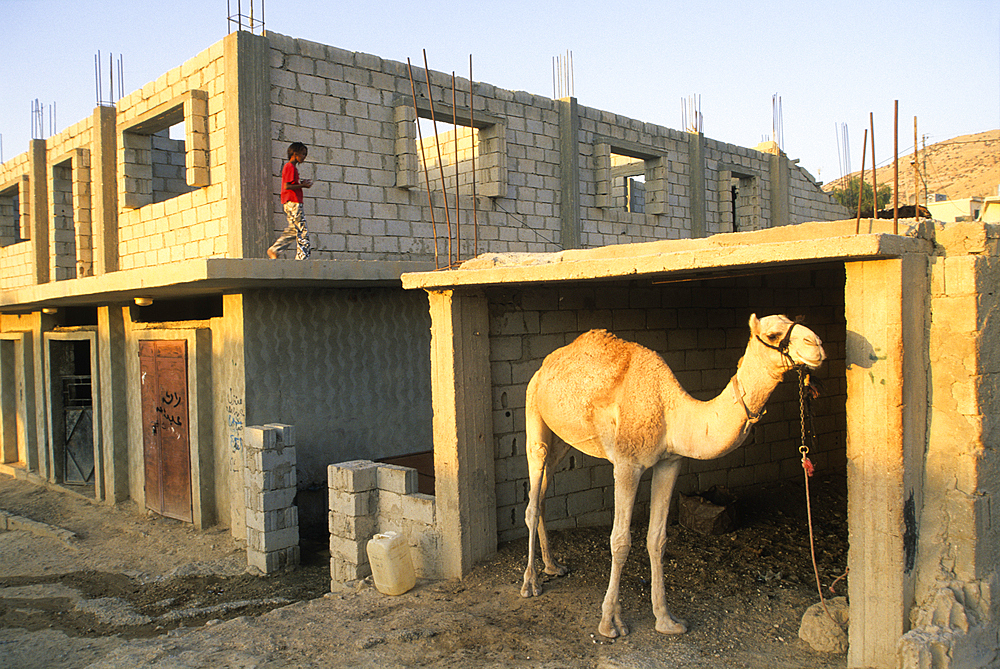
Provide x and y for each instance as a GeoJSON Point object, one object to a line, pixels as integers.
{"type": "Point", "coordinates": [130, 251]}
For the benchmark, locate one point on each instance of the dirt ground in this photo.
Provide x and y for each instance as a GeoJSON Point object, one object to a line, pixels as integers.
{"type": "Point", "coordinates": [135, 589]}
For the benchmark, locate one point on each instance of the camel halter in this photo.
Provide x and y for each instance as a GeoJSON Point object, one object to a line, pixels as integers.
{"type": "Point", "coordinates": [783, 345]}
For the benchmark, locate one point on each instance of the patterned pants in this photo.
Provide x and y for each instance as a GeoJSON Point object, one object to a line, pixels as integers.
{"type": "Point", "coordinates": [296, 231]}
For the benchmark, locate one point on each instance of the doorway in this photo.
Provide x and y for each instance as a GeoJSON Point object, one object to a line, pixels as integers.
{"type": "Point", "coordinates": [165, 430]}
{"type": "Point", "coordinates": [72, 414]}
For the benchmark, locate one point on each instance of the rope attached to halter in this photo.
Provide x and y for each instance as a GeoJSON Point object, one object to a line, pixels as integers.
{"type": "Point", "coordinates": [808, 469]}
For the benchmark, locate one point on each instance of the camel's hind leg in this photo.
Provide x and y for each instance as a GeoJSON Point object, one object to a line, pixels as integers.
{"type": "Point", "coordinates": [544, 452]}
{"type": "Point", "coordinates": [662, 489]}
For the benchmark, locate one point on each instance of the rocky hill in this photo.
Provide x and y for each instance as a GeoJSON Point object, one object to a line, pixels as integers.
{"type": "Point", "coordinates": [966, 166]}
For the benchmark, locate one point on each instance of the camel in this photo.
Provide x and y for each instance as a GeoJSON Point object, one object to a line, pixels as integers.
{"type": "Point", "coordinates": [619, 401]}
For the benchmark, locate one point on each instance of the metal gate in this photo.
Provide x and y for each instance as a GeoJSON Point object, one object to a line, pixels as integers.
{"type": "Point", "coordinates": [78, 412]}
{"type": "Point", "coordinates": [166, 448]}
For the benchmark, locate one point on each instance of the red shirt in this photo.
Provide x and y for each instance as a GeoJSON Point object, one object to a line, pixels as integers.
{"type": "Point", "coordinates": [290, 175]}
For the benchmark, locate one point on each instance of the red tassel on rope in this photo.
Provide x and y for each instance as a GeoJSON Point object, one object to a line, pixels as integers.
{"type": "Point", "coordinates": [808, 466]}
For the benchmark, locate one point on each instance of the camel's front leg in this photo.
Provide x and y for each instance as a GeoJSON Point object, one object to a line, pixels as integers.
{"type": "Point", "coordinates": [556, 452]}
{"type": "Point", "coordinates": [664, 476]}
{"type": "Point", "coordinates": [626, 483]}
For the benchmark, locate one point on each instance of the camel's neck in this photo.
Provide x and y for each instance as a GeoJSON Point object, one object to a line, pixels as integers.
{"type": "Point", "coordinates": [714, 428]}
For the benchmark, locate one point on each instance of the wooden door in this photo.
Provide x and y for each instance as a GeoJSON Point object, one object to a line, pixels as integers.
{"type": "Point", "coordinates": [166, 449]}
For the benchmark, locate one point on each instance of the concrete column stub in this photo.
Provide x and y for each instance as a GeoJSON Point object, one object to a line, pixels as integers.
{"type": "Point", "coordinates": [104, 189]}
{"type": "Point", "coordinates": [39, 208]}
{"type": "Point", "coordinates": [249, 189]}
{"type": "Point", "coordinates": [886, 405]}
{"type": "Point", "coordinates": [696, 163]}
{"type": "Point", "coordinates": [569, 172]}
{"type": "Point", "coordinates": [463, 434]}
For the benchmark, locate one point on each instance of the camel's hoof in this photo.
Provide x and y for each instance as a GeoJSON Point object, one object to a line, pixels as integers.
{"type": "Point", "coordinates": [557, 570]}
{"type": "Point", "coordinates": [607, 630]}
{"type": "Point", "coordinates": [530, 589]}
{"type": "Point", "coordinates": [671, 627]}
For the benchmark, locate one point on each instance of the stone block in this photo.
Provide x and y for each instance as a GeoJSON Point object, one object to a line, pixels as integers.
{"type": "Point", "coordinates": [353, 476]}
{"type": "Point", "coordinates": [397, 479]}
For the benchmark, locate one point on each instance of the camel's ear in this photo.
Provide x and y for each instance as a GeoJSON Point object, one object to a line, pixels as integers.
{"type": "Point", "coordinates": [754, 324]}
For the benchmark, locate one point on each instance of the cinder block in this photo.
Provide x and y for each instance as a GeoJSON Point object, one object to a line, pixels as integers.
{"type": "Point", "coordinates": [394, 478]}
{"type": "Point", "coordinates": [419, 507]}
{"type": "Point", "coordinates": [353, 504]}
{"type": "Point", "coordinates": [285, 433]}
{"type": "Point", "coordinates": [277, 499]}
{"type": "Point", "coordinates": [353, 476]}
{"type": "Point", "coordinates": [352, 527]}
{"type": "Point", "coordinates": [351, 550]}
{"type": "Point", "coordinates": [259, 438]}
{"type": "Point", "coordinates": [272, 541]}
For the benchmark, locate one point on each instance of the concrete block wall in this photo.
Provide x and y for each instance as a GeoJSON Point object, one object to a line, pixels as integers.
{"type": "Point", "coordinates": [191, 224]}
{"type": "Point", "coordinates": [269, 482]}
{"type": "Point", "coordinates": [15, 258]}
{"type": "Point", "coordinates": [701, 331]}
{"type": "Point", "coordinates": [367, 498]}
{"type": "Point", "coordinates": [69, 191]}
{"type": "Point", "coordinates": [369, 200]}
{"type": "Point", "coordinates": [954, 622]}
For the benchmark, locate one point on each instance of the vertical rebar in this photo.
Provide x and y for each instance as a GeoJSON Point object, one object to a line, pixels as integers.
{"type": "Point", "coordinates": [474, 142]}
{"type": "Point", "coordinates": [437, 144]}
{"type": "Point", "coordinates": [861, 181]}
{"type": "Point", "coordinates": [458, 213]}
{"type": "Point", "coordinates": [895, 169]}
{"type": "Point", "coordinates": [427, 179]}
{"type": "Point", "coordinates": [871, 119]}
{"type": "Point", "coordinates": [916, 172]}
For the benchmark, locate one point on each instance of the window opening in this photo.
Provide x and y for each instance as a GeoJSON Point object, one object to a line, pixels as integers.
{"type": "Point", "coordinates": [628, 190]}
{"type": "Point", "coordinates": [63, 227]}
{"type": "Point", "coordinates": [12, 227]}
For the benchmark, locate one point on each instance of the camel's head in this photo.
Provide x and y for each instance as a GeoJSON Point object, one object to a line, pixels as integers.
{"type": "Point", "coordinates": [796, 344]}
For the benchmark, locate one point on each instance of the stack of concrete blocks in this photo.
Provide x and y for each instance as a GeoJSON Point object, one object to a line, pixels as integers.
{"type": "Point", "coordinates": [269, 486]}
{"type": "Point", "coordinates": [367, 498]}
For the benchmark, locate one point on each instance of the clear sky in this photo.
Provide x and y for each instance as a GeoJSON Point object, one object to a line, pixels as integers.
{"type": "Point", "coordinates": [830, 62]}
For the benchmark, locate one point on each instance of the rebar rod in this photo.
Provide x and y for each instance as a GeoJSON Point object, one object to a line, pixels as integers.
{"type": "Point", "coordinates": [861, 181]}
{"type": "Point", "coordinates": [916, 171]}
{"type": "Point", "coordinates": [458, 212]}
{"type": "Point", "coordinates": [474, 142]}
{"type": "Point", "coordinates": [437, 144]}
{"type": "Point", "coordinates": [871, 119]}
{"type": "Point", "coordinates": [423, 161]}
{"type": "Point", "coordinates": [895, 169]}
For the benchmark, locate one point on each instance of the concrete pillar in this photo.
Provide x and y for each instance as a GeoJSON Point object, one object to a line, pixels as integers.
{"type": "Point", "coordinates": [104, 191]}
{"type": "Point", "coordinates": [886, 405]}
{"type": "Point", "coordinates": [569, 173]}
{"type": "Point", "coordinates": [465, 484]}
{"type": "Point", "coordinates": [114, 411]}
{"type": "Point", "coordinates": [250, 190]}
{"type": "Point", "coordinates": [39, 210]}
{"type": "Point", "coordinates": [40, 373]}
{"type": "Point", "coordinates": [228, 346]}
{"type": "Point", "coordinates": [696, 163]}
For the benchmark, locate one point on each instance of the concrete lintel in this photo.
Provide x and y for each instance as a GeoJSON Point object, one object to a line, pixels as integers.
{"type": "Point", "coordinates": [780, 246]}
{"type": "Point", "coordinates": [463, 435]}
{"type": "Point", "coordinates": [207, 276]}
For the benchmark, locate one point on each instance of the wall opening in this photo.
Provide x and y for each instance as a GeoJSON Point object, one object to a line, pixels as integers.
{"type": "Point", "coordinates": [72, 413]}
{"type": "Point", "coordinates": [628, 190]}
{"type": "Point", "coordinates": [13, 227]}
{"type": "Point", "coordinates": [744, 202]}
{"type": "Point", "coordinates": [63, 227]}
